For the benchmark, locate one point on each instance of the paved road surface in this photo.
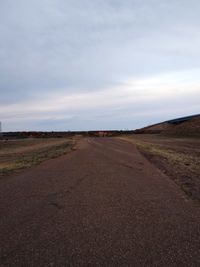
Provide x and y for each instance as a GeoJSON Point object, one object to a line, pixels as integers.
{"type": "Point", "coordinates": [102, 205]}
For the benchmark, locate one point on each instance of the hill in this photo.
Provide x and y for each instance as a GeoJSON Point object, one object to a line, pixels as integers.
{"type": "Point", "coordinates": [184, 126]}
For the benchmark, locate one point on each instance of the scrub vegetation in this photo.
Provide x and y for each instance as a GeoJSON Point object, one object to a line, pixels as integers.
{"type": "Point", "coordinates": [23, 153]}
{"type": "Point", "coordinates": [179, 158]}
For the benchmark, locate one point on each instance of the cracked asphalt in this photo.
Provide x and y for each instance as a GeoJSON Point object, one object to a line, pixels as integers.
{"type": "Point", "coordinates": [101, 205]}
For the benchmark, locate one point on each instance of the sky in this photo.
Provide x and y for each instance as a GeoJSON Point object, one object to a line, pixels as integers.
{"type": "Point", "coordinates": [97, 64]}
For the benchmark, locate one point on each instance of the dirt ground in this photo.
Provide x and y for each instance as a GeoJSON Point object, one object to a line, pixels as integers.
{"type": "Point", "coordinates": [22, 153]}
{"type": "Point", "coordinates": [179, 158]}
{"type": "Point", "coordinates": [104, 204]}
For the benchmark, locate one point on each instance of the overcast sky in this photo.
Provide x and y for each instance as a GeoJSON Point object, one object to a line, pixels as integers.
{"type": "Point", "coordinates": [98, 64]}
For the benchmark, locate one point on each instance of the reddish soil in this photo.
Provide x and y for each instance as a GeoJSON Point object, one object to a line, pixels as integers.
{"type": "Point", "coordinates": [102, 205]}
{"type": "Point", "coordinates": [187, 128]}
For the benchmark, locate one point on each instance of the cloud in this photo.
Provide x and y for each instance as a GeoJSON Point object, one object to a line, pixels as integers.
{"type": "Point", "coordinates": [74, 56]}
{"type": "Point", "coordinates": [139, 98]}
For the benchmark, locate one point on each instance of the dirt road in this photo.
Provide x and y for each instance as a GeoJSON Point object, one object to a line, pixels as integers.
{"type": "Point", "coordinates": [102, 205]}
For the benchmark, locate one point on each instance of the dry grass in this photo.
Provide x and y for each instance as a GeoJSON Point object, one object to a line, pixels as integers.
{"type": "Point", "coordinates": [170, 151]}
{"type": "Point", "coordinates": [179, 158]}
{"type": "Point", "coordinates": [172, 156]}
{"type": "Point", "coordinates": [20, 154]}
